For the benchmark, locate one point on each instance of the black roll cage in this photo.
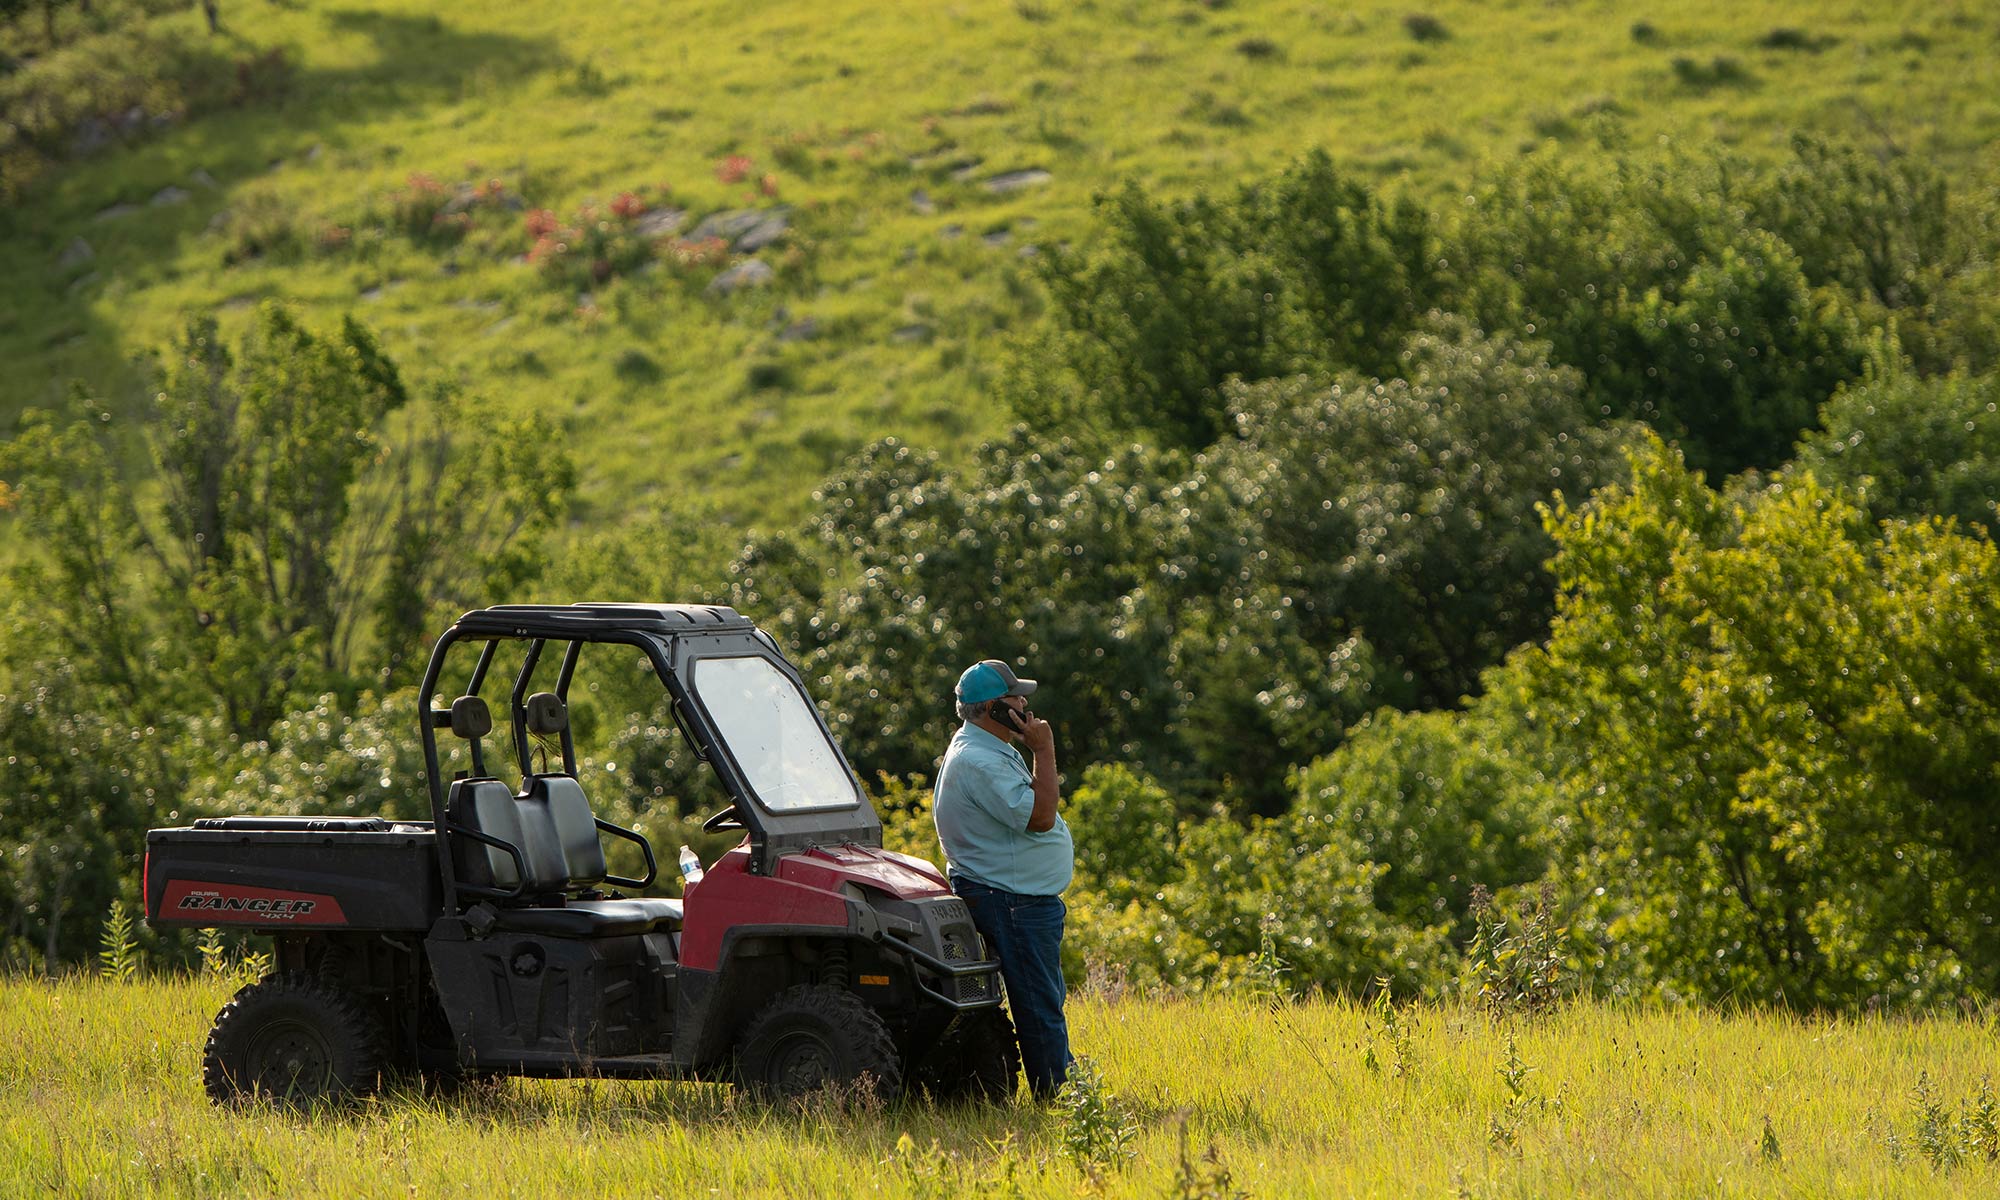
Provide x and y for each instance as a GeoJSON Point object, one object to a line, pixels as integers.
{"type": "Point", "coordinates": [672, 637]}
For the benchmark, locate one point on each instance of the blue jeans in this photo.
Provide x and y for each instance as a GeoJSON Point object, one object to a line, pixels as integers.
{"type": "Point", "coordinates": [1026, 933]}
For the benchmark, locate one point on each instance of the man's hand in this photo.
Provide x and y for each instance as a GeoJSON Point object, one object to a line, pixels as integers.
{"type": "Point", "coordinates": [1040, 738]}
{"type": "Point", "coordinates": [1039, 735]}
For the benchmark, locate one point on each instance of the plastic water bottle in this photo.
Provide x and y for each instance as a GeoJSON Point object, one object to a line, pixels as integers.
{"type": "Point", "coordinates": [690, 869]}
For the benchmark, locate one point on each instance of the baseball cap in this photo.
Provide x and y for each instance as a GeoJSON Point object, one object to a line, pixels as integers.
{"type": "Point", "coordinates": [990, 679]}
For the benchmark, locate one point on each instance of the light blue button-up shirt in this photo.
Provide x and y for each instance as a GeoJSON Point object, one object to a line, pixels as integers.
{"type": "Point", "coordinates": [985, 795]}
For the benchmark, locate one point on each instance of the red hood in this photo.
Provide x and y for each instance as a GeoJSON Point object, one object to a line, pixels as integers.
{"type": "Point", "coordinates": [899, 875]}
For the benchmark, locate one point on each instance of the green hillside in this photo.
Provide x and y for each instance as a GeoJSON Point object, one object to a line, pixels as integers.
{"type": "Point", "coordinates": [881, 130]}
{"type": "Point", "coordinates": [1482, 464]}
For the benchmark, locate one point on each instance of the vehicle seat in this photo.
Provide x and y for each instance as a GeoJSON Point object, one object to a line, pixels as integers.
{"type": "Point", "coordinates": [559, 800]}
{"type": "Point", "coordinates": [490, 807]}
{"type": "Point", "coordinates": [552, 826]}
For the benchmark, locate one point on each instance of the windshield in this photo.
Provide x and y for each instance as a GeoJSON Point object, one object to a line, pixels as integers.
{"type": "Point", "coordinates": [772, 733]}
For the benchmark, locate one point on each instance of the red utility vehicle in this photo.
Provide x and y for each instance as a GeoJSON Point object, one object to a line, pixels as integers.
{"type": "Point", "coordinates": [493, 939]}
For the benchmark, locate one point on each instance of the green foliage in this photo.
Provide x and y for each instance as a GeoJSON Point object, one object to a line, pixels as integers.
{"type": "Point", "coordinates": [1037, 553]}
{"type": "Point", "coordinates": [1517, 970]}
{"type": "Point", "coordinates": [122, 85]}
{"type": "Point", "coordinates": [1214, 623]}
{"type": "Point", "coordinates": [1912, 447]}
{"type": "Point", "coordinates": [1097, 1126]}
{"type": "Point", "coordinates": [292, 533]}
{"type": "Point", "coordinates": [1504, 1127]}
{"type": "Point", "coordinates": [1949, 1140]}
{"type": "Point", "coordinates": [1442, 801]}
{"type": "Point", "coordinates": [1403, 511]}
{"type": "Point", "coordinates": [1393, 1028]}
{"type": "Point", "coordinates": [1778, 739]}
{"type": "Point", "coordinates": [1308, 273]}
{"type": "Point", "coordinates": [1879, 227]}
{"type": "Point", "coordinates": [340, 759]}
{"type": "Point", "coordinates": [1127, 833]}
{"type": "Point", "coordinates": [1248, 899]}
{"type": "Point", "coordinates": [1660, 285]}
{"type": "Point", "coordinates": [118, 948]}
{"type": "Point", "coordinates": [78, 787]}
{"type": "Point", "coordinates": [207, 621]}
{"type": "Point", "coordinates": [214, 953]}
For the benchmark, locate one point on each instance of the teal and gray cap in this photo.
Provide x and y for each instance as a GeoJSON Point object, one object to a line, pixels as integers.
{"type": "Point", "coordinates": [991, 679]}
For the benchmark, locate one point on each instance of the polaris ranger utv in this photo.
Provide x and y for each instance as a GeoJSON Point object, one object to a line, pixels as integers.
{"type": "Point", "coordinates": [484, 942]}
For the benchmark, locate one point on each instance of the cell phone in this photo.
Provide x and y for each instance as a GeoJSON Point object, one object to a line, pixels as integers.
{"type": "Point", "coordinates": [1005, 714]}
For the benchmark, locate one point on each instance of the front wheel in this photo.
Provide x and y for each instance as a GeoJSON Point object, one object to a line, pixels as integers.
{"type": "Point", "coordinates": [977, 1059]}
{"type": "Point", "coordinates": [813, 1037]}
{"type": "Point", "coordinates": [294, 1039]}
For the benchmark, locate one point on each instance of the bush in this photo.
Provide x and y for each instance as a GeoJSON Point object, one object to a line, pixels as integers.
{"type": "Point", "coordinates": [1308, 273]}
{"type": "Point", "coordinates": [119, 87]}
{"type": "Point", "coordinates": [1659, 285]}
{"type": "Point", "coordinates": [1912, 448]}
{"type": "Point", "coordinates": [1784, 37]}
{"type": "Point", "coordinates": [1127, 834]}
{"type": "Point", "coordinates": [1773, 724]}
{"type": "Point", "coordinates": [1716, 72]}
{"type": "Point", "coordinates": [1441, 802]}
{"type": "Point", "coordinates": [1425, 28]}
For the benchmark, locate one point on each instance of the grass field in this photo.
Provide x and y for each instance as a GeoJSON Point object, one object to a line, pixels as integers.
{"type": "Point", "coordinates": [881, 126]}
{"type": "Point", "coordinates": [99, 1096]}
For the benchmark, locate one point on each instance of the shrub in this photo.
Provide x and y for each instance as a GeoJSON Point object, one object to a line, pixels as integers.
{"type": "Point", "coordinates": [118, 87]}
{"type": "Point", "coordinates": [637, 366]}
{"type": "Point", "coordinates": [1787, 38]}
{"type": "Point", "coordinates": [1441, 801]}
{"type": "Point", "coordinates": [1127, 832]}
{"type": "Point", "coordinates": [1097, 1127]}
{"type": "Point", "coordinates": [598, 243]}
{"type": "Point", "coordinates": [1659, 284]}
{"type": "Point", "coordinates": [1306, 273]}
{"type": "Point", "coordinates": [1425, 28]}
{"type": "Point", "coordinates": [1776, 738]}
{"type": "Point", "coordinates": [1879, 228]}
{"type": "Point", "coordinates": [1912, 447]}
{"type": "Point", "coordinates": [1722, 70]}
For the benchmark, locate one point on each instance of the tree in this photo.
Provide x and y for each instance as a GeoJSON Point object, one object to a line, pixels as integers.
{"type": "Point", "coordinates": [1308, 273]}
{"type": "Point", "coordinates": [1037, 553]}
{"type": "Point", "coordinates": [1776, 731]}
{"type": "Point", "coordinates": [1403, 511]}
{"type": "Point", "coordinates": [295, 520]}
{"type": "Point", "coordinates": [294, 532]}
{"type": "Point", "coordinates": [1216, 623]}
{"type": "Point", "coordinates": [1912, 447]}
{"type": "Point", "coordinates": [1658, 284]}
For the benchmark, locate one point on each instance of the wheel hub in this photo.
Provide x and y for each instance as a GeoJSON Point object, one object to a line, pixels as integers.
{"type": "Point", "coordinates": [800, 1064]}
{"type": "Point", "coordinates": [288, 1058]}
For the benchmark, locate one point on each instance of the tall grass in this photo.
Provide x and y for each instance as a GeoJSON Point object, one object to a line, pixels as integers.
{"type": "Point", "coordinates": [99, 1096]}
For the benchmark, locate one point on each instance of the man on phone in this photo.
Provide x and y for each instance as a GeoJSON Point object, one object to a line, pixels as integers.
{"type": "Point", "coordinates": [1009, 854]}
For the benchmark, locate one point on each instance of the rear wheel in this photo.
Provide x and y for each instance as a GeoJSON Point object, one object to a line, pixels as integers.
{"type": "Point", "coordinates": [814, 1037]}
{"type": "Point", "coordinates": [294, 1039]}
{"type": "Point", "coordinates": [976, 1059]}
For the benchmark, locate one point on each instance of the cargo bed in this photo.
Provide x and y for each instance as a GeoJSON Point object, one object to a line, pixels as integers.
{"type": "Point", "coordinates": [359, 873]}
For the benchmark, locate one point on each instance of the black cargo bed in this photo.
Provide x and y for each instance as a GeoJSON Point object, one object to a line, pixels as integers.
{"type": "Point", "coordinates": [278, 873]}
